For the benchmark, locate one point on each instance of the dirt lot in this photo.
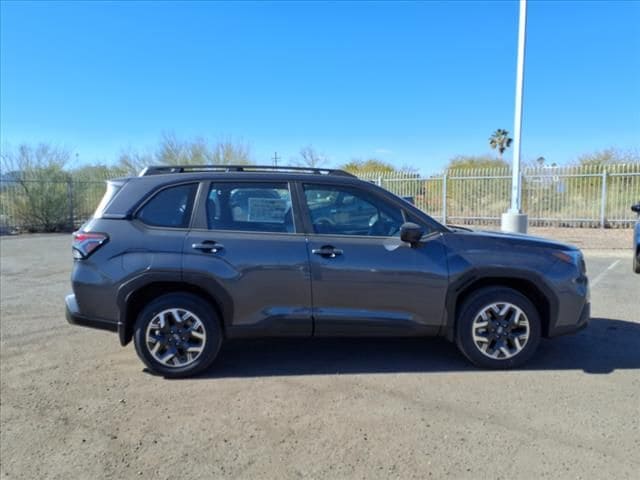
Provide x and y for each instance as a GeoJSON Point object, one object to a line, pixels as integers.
{"type": "Point", "coordinates": [587, 238]}
{"type": "Point", "coordinates": [74, 404]}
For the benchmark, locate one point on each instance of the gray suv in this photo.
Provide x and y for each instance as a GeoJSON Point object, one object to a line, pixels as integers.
{"type": "Point", "coordinates": [181, 258]}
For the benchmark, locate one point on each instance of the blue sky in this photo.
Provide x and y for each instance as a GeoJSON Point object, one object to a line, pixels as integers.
{"type": "Point", "coordinates": [411, 83]}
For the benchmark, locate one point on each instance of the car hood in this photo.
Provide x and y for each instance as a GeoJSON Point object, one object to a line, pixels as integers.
{"type": "Point", "coordinates": [514, 239]}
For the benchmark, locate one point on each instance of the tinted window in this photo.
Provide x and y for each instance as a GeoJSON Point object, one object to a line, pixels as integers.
{"type": "Point", "coordinates": [170, 207]}
{"type": "Point", "coordinates": [346, 211]}
{"type": "Point", "coordinates": [254, 207]}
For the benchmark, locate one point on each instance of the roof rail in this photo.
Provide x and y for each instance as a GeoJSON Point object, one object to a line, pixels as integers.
{"type": "Point", "coordinates": [162, 169]}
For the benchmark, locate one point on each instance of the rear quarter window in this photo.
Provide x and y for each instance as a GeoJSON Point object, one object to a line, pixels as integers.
{"type": "Point", "coordinates": [112, 189]}
{"type": "Point", "coordinates": [170, 207]}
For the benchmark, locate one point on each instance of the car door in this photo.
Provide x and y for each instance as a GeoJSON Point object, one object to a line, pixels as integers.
{"type": "Point", "coordinates": [246, 249]}
{"type": "Point", "coordinates": [365, 280]}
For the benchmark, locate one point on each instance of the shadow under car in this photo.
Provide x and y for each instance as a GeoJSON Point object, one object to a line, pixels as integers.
{"type": "Point", "coordinates": [604, 346]}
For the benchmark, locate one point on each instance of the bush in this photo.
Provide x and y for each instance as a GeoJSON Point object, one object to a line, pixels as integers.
{"type": "Point", "coordinates": [34, 191]}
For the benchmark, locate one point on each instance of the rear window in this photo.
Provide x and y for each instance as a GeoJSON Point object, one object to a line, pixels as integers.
{"type": "Point", "coordinates": [252, 207]}
{"type": "Point", "coordinates": [170, 207]}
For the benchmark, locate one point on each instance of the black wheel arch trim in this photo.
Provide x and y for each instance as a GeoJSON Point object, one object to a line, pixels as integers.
{"type": "Point", "coordinates": [190, 281]}
{"type": "Point", "coordinates": [501, 276]}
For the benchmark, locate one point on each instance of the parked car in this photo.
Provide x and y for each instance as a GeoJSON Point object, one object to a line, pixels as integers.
{"type": "Point", "coordinates": [180, 259]}
{"type": "Point", "coordinates": [636, 239]}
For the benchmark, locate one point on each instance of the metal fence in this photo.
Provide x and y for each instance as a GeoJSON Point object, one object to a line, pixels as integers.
{"type": "Point", "coordinates": [62, 203]}
{"type": "Point", "coordinates": [576, 196]}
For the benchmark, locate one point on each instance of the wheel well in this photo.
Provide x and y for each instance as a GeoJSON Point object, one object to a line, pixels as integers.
{"type": "Point", "coordinates": [523, 286]}
{"type": "Point", "coordinates": [141, 297]}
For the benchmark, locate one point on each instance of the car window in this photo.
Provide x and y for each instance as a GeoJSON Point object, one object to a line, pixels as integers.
{"type": "Point", "coordinates": [346, 211]}
{"type": "Point", "coordinates": [170, 207]}
{"type": "Point", "coordinates": [253, 207]}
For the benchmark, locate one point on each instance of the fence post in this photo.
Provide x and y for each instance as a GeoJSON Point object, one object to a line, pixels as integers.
{"type": "Point", "coordinates": [603, 202]}
{"type": "Point", "coordinates": [444, 198]}
{"type": "Point", "coordinates": [523, 193]}
{"type": "Point", "coordinates": [380, 180]}
{"type": "Point", "coordinates": [70, 202]}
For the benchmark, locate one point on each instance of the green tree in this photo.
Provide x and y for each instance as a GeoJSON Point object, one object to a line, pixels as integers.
{"type": "Point", "coordinates": [88, 186]}
{"type": "Point", "coordinates": [172, 150]}
{"type": "Point", "coordinates": [500, 140]}
{"type": "Point", "coordinates": [309, 157]}
{"type": "Point", "coordinates": [609, 156]}
{"type": "Point", "coordinates": [476, 161]}
{"type": "Point", "coordinates": [131, 161]}
{"type": "Point", "coordinates": [97, 172]}
{"type": "Point", "coordinates": [35, 187]}
{"type": "Point", "coordinates": [369, 166]}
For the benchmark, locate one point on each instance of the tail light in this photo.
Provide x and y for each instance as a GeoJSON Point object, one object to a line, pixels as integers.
{"type": "Point", "coordinates": [84, 243]}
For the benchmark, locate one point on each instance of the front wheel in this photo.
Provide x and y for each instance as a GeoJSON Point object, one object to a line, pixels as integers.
{"type": "Point", "coordinates": [498, 328]}
{"type": "Point", "coordinates": [177, 335]}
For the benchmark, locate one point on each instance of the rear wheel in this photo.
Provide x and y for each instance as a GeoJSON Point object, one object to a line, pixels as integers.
{"type": "Point", "coordinates": [177, 335]}
{"type": "Point", "coordinates": [498, 328]}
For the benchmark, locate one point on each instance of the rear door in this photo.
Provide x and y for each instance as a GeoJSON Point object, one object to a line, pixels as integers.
{"type": "Point", "coordinates": [246, 247]}
{"type": "Point", "coordinates": [365, 280]}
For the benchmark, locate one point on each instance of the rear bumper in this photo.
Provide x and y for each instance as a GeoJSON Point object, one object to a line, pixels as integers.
{"type": "Point", "coordinates": [583, 321]}
{"type": "Point", "coordinates": [74, 317]}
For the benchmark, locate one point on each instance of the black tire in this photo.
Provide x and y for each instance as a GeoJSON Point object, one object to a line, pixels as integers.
{"type": "Point", "coordinates": [209, 320]}
{"type": "Point", "coordinates": [474, 305]}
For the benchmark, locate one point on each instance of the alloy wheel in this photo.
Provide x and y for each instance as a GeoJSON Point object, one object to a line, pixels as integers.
{"type": "Point", "coordinates": [500, 330]}
{"type": "Point", "coordinates": [175, 337]}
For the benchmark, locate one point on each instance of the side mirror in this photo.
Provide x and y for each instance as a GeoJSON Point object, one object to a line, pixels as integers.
{"type": "Point", "coordinates": [636, 207]}
{"type": "Point", "coordinates": [411, 233]}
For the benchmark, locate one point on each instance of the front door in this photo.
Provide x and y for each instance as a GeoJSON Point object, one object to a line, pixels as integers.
{"type": "Point", "coordinates": [253, 260]}
{"type": "Point", "coordinates": [365, 280]}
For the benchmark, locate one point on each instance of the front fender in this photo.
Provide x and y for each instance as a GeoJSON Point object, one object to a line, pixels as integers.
{"type": "Point", "coordinates": [464, 283]}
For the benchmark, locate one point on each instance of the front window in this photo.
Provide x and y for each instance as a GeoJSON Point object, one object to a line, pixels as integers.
{"type": "Point", "coordinates": [338, 210]}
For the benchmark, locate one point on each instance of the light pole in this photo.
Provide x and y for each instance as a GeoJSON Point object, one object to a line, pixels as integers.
{"type": "Point", "coordinates": [514, 220]}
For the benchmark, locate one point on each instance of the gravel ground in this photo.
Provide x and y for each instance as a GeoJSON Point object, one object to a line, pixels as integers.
{"type": "Point", "coordinates": [585, 238]}
{"type": "Point", "coordinates": [74, 404]}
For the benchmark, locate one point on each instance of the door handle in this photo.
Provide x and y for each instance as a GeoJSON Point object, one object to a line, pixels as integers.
{"type": "Point", "coordinates": [208, 246]}
{"type": "Point", "coordinates": [327, 251]}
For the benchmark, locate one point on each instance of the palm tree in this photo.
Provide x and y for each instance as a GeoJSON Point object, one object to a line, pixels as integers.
{"type": "Point", "coordinates": [500, 140]}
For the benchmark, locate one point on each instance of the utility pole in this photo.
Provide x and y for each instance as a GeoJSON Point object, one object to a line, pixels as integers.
{"type": "Point", "coordinates": [275, 159]}
{"type": "Point", "coordinates": [514, 220]}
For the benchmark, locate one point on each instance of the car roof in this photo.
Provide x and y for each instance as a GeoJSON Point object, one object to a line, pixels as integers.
{"type": "Point", "coordinates": [163, 169]}
{"type": "Point", "coordinates": [244, 175]}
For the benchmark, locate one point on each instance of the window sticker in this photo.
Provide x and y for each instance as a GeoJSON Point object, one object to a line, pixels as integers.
{"type": "Point", "coordinates": [267, 210]}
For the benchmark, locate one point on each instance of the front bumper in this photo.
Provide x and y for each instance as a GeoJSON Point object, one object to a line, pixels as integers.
{"type": "Point", "coordinates": [74, 317]}
{"type": "Point", "coordinates": [583, 321]}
